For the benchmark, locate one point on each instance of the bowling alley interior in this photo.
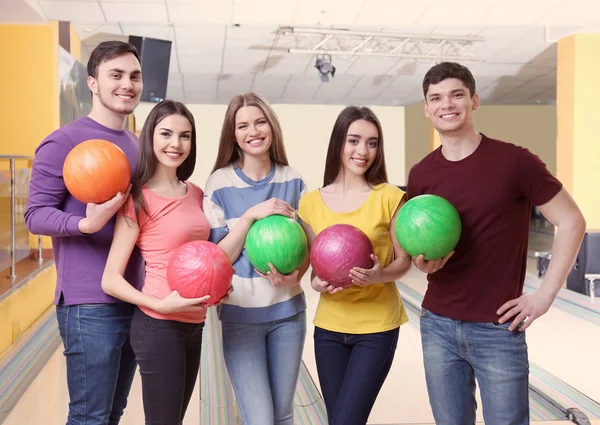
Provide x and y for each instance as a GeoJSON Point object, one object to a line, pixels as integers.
{"type": "Point", "coordinates": [535, 66]}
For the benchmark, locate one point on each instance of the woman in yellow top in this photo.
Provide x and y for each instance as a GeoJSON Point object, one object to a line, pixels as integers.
{"type": "Point", "coordinates": [356, 329]}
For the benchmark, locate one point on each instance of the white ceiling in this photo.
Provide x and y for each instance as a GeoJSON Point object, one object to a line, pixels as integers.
{"type": "Point", "coordinates": [19, 12]}
{"type": "Point", "coordinates": [223, 47]}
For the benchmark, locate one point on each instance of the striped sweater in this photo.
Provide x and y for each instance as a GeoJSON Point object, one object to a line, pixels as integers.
{"type": "Point", "coordinates": [228, 194]}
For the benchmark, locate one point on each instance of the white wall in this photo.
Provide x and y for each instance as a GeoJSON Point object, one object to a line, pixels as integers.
{"type": "Point", "coordinates": [306, 132]}
{"type": "Point", "coordinates": [417, 134]}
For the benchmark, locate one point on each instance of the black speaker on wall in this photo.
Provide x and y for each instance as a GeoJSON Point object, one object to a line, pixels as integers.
{"type": "Point", "coordinates": [587, 262]}
{"type": "Point", "coordinates": [155, 56]}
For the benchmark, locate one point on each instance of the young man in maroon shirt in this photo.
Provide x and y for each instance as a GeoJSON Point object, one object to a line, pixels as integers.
{"type": "Point", "coordinates": [474, 313]}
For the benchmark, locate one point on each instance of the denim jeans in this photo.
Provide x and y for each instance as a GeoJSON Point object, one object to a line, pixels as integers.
{"type": "Point", "coordinates": [168, 353]}
{"type": "Point", "coordinates": [100, 361]}
{"type": "Point", "coordinates": [352, 369]}
{"type": "Point", "coordinates": [263, 361]}
{"type": "Point", "coordinates": [456, 353]}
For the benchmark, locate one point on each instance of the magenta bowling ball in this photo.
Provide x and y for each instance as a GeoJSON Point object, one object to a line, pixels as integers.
{"type": "Point", "coordinates": [337, 250]}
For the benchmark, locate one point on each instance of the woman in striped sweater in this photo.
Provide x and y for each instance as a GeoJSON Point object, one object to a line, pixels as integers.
{"type": "Point", "coordinates": [264, 320]}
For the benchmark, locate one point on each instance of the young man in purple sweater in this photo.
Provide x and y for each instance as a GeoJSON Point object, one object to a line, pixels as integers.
{"type": "Point", "coordinates": [94, 326]}
{"type": "Point", "coordinates": [474, 313]}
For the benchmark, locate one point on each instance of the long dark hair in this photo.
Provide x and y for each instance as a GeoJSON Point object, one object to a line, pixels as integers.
{"type": "Point", "coordinates": [229, 151]}
{"type": "Point", "coordinates": [333, 164]}
{"type": "Point", "coordinates": [146, 161]}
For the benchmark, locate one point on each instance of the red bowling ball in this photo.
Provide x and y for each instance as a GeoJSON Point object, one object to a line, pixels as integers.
{"type": "Point", "coordinates": [337, 250]}
{"type": "Point", "coordinates": [200, 268]}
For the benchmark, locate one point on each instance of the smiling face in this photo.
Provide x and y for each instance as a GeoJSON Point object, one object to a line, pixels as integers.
{"type": "Point", "coordinates": [449, 106]}
{"type": "Point", "coordinates": [360, 148]}
{"type": "Point", "coordinates": [118, 84]}
{"type": "Point", "coordinates": [253, 133]}
{"type": "Point", "coordinates": [172, 141]}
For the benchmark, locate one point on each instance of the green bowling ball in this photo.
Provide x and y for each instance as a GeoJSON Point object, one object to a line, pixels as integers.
{"type": "Point", "coordinates": [428, 225]}
{"type": "Point", "coordinates": [278, 240]}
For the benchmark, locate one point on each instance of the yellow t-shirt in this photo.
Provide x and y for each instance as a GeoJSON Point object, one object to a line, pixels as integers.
{"type": "Point", "coordinates": [360, 310]}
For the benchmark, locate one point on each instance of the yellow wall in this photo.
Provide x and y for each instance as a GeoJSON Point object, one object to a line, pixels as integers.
{"type": "Point", "coordinates": [565, 104]}
{"type": "Point", "coordinates": [75, 44]}
{"type": "Point", "coordinates": [434, 139]}
{"type": "Point", "coordinates": [577, 99]}
{"type": "Point", "coordinates": [30, 88]}
{"type": "Point", "coordinates": [29, 111]}
{"type": "Point", "coordinates": [22, 308]}
{"type": "Point", "coordinates": [306, 131]}
{"type": "Point", "coordinates": [29, 85]}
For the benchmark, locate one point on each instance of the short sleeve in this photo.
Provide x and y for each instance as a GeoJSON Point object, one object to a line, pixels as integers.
{"type": "Point", "coordinates": [411, 186]}
{"type": "Point", "coordinates": [304, 208]}
{"type": "Point", "coordinates": [534, 180]}
{"type": "Point", "coordinates": [128, 210]}
{"type": "Point", "coordinates": [303, 190]}
{"type": "Point", "coordinates": [198, 192]}
{"type": "Point", "coordinates": [214, 214]}
{"type": "Point", "coordinates": [393, 199]}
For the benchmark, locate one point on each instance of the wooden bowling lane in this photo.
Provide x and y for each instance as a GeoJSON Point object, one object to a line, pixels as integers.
{"type": "Point", "coordinates": [46, 400]}
{"type": "Point", "coordinates": [559, 343]}
{"type": "Point", "coordinates": [403, 398]}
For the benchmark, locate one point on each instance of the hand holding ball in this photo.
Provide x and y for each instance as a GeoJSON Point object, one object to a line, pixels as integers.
{"type": "Point", "coordinates": [428, 225]}
{"type": "Point", "coordinates": [337, 250]}
{"type": "Point", "coordinates": [95, 171]}
{"type": "Point", "coordinates": [200, 268]}
{"type": "Point", "coordinates": [278, 240]}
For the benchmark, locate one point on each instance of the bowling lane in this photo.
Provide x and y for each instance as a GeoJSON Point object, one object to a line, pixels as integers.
{"type": "Point", "coordinates": [403, 398]}
{"type": "Point", "coordinates": [46, 400]}
{"type": "Point", "coordinates": [564, 345]}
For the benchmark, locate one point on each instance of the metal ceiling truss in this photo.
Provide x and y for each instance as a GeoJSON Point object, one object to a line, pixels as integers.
{"type": "Point", "coordinates": [316, 41]}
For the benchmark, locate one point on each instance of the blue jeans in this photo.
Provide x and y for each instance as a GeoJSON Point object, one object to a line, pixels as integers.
{"type": "Point", "coordinates": [456, 353]}
{"type": "Point", "coordinates": [263, 361]}
{"type": "Point", "coordinates": [100, 361]}
{"type": "Point", "coordinates": [352, 369]}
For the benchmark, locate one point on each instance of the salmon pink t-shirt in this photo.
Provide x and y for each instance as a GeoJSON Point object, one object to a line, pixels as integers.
{"type": "Point", "coordinates": [170, 223]}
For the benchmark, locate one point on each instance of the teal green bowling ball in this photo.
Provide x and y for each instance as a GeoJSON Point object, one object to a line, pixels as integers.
{"type": "Point", "coordinates": [278, 240]}
{"type": "Point", "coordinates": [428, 225]}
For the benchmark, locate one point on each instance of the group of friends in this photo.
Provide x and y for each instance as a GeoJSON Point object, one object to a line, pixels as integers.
{"type": "Point", "coordinates": [116, 311]}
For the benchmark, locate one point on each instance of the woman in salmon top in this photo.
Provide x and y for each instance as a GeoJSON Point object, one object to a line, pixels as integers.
{"type": "Point", "coordinates": [166, 329]}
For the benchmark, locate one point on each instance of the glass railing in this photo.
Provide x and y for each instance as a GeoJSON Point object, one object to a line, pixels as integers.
{"type": "Point", "coordinates": [15, 174]}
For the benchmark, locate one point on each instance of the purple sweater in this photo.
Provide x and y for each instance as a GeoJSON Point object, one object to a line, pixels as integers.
{"type": "Point", "coordinates": [52, 211]}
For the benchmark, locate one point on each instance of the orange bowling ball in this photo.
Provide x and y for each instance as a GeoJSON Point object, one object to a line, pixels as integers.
{"type": "Point", "coordinates": [95, 171]}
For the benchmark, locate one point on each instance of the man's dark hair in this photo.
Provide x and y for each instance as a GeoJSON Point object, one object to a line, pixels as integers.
{"type": "Point", "coordinates": [445, 70]}
{"type": "Point", "coordinates": [106, 51]}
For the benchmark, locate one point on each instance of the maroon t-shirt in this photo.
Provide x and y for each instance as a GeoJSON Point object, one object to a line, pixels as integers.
{"type": "Point", "coordinates": [493, 190]}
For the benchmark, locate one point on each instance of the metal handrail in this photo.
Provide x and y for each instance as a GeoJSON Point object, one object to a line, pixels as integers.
{"type": "Point", "coordinates": [13, 227]}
